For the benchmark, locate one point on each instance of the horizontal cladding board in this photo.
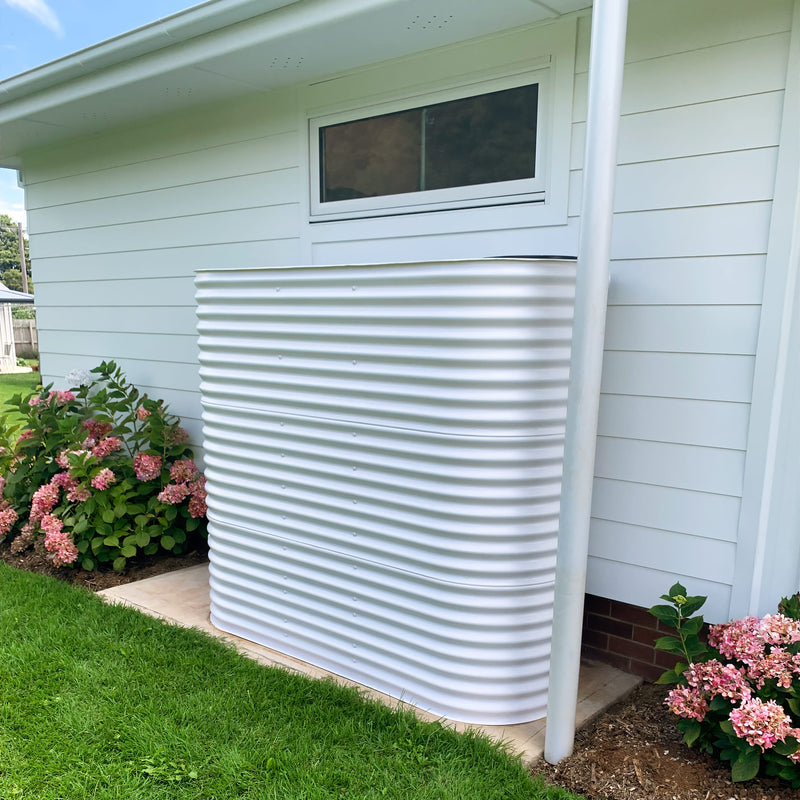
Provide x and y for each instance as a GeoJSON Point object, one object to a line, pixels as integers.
{"type": "Point", "coordinates": [641, 586]}
{"type": "Point", "coordinates": [224, 194]}
{"type": "Point", "coordinates": [731, 330]}
{"type": "Point", "coordinates": [708, 281]}
{"type": "Point", "coordinates": [142, 346]}
{"type": "Point", "coordinates": [179, 320]}
{"type": "Point", "coordinates": [471, 347]}
{"type": "Point", "coordinates": [203, 128]}
{"type": "Point", "coordinates": [370, 246]}
{"type": "Point", "coordinates": [718, 179]}
{"type": "Point", "coordinates": [711, 559]}
{"type": "Point", "coordinates": [741, 229]}
{"type": "Point", "coordinates": [659, 29]}
{"type": "Point", "coordinates": [278, 221]}
{"type": "Point", "coordinates": [467, 509]}
{"type": "Point", "coordinates": [410, 637]}
{"type": "Point", "coordinates": [704, 469]}
{"type": "Point", "coordinates": [133, 291]}
{"type": "Point", "coordinates": [138, 371]}
{"type": "Point", "coordinates": [241, 158]}
{"type": "Point", "coordinates": [749, 66]}
{"type": "Point", "coordinates": [661, 419]}
{"type": "Point", "coordinates": [714, 516]}
{"type": "Point", "coordinates": [717, 126]}
{"type": "Point", "coordinates": [167, 262]}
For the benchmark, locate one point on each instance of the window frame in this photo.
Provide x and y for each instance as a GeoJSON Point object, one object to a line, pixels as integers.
{"type": "Point", "coordinates": [527, 190]}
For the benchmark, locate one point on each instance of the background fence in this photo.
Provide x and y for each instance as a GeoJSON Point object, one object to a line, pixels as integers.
{"type": "Point", "coordinates": [26, 338]}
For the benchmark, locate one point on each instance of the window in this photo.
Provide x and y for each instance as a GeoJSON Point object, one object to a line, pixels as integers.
{"type": "Point", "coordinates": [479, 149]}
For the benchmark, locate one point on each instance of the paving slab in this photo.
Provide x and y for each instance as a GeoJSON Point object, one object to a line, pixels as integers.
{"type": "Point", "coordinates": [181, 597]}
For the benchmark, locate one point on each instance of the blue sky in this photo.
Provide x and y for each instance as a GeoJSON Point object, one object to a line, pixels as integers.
{"type": "Point", "coordinates": [33, 32]}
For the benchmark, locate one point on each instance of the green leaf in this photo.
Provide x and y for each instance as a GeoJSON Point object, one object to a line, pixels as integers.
{"type": "Point", "coordinates": [668, 677]}
{"type": "Point", "coordinates": [719, 703]}
{"type": "Point", "coordinates": [167, 542]}
{"type": "Point", "coordinates": [691, 730]}
{"type": "Point", "coordinates": [692, 604]}
{"type": "Point", "coordinates": [677, 589]}
{"type": "Point", "coordinates": [142, 538]}
{"type": "Point", "coordinates": [691, 627]}
{"type": "Point", "coordinates": [80, 526]}
{"type": "Point", "coordinates": [129, 551]}
{"type": "Point", "coordinates": [88, 564]}
{"type": "Point", "coordinates": [119, 563]}
{"type": "Point", "coordinates": [170, 513]}
{"type": "Point", "coordinates": [669, 644]}
{"type": "Point", "coordinates": [794, 706]}
{"type": "Point", "coordinates": [667, 615]}
{"type": "Point", "coordinates": [108, 516]}
{"type": "Point", "coordinates": [726, 726]}
{"type": "Point", "coordinates": [746, 767]}
{"type": "Point", "coordinates": [786, 748]}
{"type": "Point", "coordinates": [111, 541]}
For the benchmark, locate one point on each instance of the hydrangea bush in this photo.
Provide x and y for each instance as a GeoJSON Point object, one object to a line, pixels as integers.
{"type": "Point", "coordinates": [97, 474]}
{"type": "Point", "coordinates": [739, 695]}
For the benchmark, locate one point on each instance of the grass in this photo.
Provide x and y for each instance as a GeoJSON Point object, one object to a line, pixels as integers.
{"type": "Point", "coordinates": [16, 383]}
{"type": "Point", "coordinates": [100, 701]}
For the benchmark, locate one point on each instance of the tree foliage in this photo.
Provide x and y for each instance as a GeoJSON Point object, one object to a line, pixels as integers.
{"type": "Point", "coordinates": [9, 255]}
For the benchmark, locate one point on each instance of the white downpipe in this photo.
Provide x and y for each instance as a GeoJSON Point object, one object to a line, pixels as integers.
{"type": "Point", "coordinates": [609, 22]}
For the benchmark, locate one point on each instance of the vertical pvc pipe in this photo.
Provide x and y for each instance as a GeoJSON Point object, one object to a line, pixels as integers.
{"type": "Point", "coordinates": [609, 22]}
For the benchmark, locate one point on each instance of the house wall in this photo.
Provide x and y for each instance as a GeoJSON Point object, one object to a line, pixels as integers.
{"type": "Point", "coordinates": [118, 224]}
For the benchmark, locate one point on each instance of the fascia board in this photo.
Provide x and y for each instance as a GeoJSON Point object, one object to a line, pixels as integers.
{"type": "Point", "coordinates": [125, 61]}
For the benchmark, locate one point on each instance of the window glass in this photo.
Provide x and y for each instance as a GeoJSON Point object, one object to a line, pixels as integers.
{"type": "Point", "coordinates": [484, 139]}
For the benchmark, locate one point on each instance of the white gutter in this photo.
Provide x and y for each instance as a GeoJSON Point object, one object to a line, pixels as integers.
{"type": "Point", "coordinates": [609, 22]}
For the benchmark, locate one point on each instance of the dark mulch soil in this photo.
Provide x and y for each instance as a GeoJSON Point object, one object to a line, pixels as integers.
{"type": "Point", "coordinates": [634, 751]}
{"type": "Point", "coordinates": [136, 570]}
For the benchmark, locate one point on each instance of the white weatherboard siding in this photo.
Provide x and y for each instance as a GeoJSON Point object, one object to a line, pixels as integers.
{"type": "Point", "coordinates": [120, 223]}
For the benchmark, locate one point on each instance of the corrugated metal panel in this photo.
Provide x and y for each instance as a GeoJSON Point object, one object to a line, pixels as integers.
{"type": "Point", "coordinates": [383, 450]}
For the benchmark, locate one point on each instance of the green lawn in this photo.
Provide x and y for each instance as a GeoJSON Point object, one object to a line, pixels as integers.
{"type": "Point", "coordinates": [101, 702]}
{"type": "Point", "coordinates": [16, 383]}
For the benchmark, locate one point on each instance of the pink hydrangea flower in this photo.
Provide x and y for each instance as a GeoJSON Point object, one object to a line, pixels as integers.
{"type": "Point", "coordinates": [762, 724]}
{"type": "Point", "coordinates": [43, 501]}
{"type": "Point", "coordinates": [61, 546]}
{"type": "Point", "coordinates": [142, 413]}
{"type": "Point", "coordinates": [177, 436]}
{"type": "Point", "coordinates": [26, 434]}
{"type": "Point", "coordinates": [724, 680]}
{"type": "Point", "coordinates": [7, 518]}
{"type": "Point", "coordinates": [173, 493]}
{"type": "Point", "coordinates": [146, 467]}
{"type": "Point", "coordinates": [106, 446]}
{"type": "Point", "coordinates": [2, 484]}
{"type": "Point", "coordinates": [688, 702]}
{"type": "Point", "coordinates": [62, 459]}
{"type": "Point", "coordinates": [104, 479]}
{"type": "Point", "coordinates": [197, 502]}
{"type": "Point", "coordinates": [97, 430]}
{"type": "Point", "coordinates": [78, 494]}
{"type": "Point", "coordinates": [183, 470]}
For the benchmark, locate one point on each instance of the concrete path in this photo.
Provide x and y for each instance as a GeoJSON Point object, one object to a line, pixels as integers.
{"type": "Point", "coordinates": [181, 597]}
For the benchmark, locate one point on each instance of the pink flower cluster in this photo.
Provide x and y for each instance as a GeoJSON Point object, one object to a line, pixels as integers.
{"type": "Point", "coordinates": [142, 413]}
{"type": "Point", "coordinates": [762, 724]}
{"type": "Point", "coordinates": [103, 479]}
{"type": "Point", "coordinates": [43, 501]}
{"type": "Point", "coordinates": [7, 518]}
{"type": "Point", "coordinates": [62, 398]}
{"type": "Point", "coordinates": [146, 467]}
{"type": "Point", "coordinates": [758, 651]}
{"type": "Point", "coordinates": [760, 645]}
{"type": "Point", "coordinates": [59, 543]}
{"type": "Point", "coordinates": [188, 482]}
{"type": "Point", "coordinates": [105, 447]}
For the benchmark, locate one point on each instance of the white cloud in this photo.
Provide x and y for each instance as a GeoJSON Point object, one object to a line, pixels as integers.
{"type": "Point", "coordinates": [41, 12]}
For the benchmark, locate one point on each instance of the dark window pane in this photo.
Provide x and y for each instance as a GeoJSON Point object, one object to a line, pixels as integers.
{"type": "Point", "coordinates": [481, 139]}
{"type": "Point", "coordinates": [371, 157]}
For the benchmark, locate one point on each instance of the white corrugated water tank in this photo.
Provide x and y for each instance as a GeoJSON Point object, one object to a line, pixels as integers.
{"type": "Point", "coordinates": [384, 452]}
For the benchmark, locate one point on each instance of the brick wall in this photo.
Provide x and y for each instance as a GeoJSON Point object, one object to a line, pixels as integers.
{"type": "Point", "coordinates": [622, 635]}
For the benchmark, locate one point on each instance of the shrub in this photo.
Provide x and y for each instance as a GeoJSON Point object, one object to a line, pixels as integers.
{"type": "Point", "coordinates": [98, 474]}
{"type": "Point", "coordinates": [739, 696]}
